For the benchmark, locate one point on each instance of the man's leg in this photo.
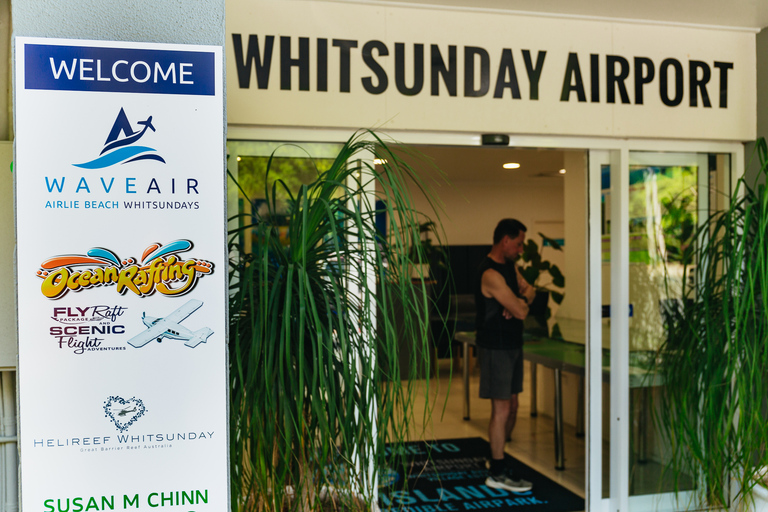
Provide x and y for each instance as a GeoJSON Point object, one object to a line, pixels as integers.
{"type": "Point", "coordinates": [502, 421]}
{"type": "Point", "coordinates": [511, 418]}
{"type": "Point", "coordinates": [497, 427]}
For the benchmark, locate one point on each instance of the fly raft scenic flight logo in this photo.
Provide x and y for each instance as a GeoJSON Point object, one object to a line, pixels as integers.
{"type": "Point", "coordinates": [160, 269]}
{"type": "Point", "coordinates": [121, 146]}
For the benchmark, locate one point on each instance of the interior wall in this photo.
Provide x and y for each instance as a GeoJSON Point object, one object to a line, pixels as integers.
{"type": "Point", "coordinates": [471, 207]}
{"type": "Point", "coordinates": [575, 225]}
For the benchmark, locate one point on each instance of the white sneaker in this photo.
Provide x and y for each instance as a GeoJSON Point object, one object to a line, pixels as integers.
{"type": "Point", "coordinates": [504, 481]}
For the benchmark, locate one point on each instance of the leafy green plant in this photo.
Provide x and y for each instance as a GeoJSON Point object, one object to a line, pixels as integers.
{"type": "Point", "coordinates": [316, 388]}
{"type": "Point", "coordinates": [712, 411]}
{"type": "Point", "coordinates": [540, 273]}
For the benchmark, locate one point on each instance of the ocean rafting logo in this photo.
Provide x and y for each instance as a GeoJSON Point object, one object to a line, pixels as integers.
{"type": "Point", "coordinates": [160, 269]}
{"type": "Point", "coordinates": [121, 147]}
{"type": "Point", "coordinates": [123, 413]}
{"type": "Point", "coordinates": [170, 327]}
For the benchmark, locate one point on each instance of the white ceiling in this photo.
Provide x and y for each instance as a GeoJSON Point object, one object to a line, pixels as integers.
{"type": "Point", "coordinates": [484, 164]}
{"type": "Point", "coordinates": [750, 14]}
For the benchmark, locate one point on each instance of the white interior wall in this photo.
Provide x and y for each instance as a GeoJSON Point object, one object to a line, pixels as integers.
{"type": "Point", "coordinates": [472, 208]}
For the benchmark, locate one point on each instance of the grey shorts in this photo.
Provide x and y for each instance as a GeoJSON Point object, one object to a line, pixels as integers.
{"type": "Point", "coordinates": [501, 373]}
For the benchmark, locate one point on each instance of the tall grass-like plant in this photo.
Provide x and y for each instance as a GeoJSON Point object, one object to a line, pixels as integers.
{"type": "Point", "coordinates": [316, 388]}
{"type": "Point", "coordinates": [715, 360]}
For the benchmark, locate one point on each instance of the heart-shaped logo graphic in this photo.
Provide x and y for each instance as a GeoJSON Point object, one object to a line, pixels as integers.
{"type": "Point", "coordinates": [123, 413]}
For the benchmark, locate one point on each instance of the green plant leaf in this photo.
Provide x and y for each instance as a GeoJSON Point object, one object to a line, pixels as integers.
{"type": "Point", "coordinates": [551, 242]}
{"type": "Point", "coordinates": [529, 274]}
{"type": "Point", "coordinates": [558, 279]}
{"type": "Point", "coordinates": [557, 297]}
{"type": "Point", "coordinates": [316, 388]}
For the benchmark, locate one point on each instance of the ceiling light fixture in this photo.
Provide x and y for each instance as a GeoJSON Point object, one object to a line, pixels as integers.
{"type": "Point", "coordinates": [561, 171]}
{"type": "Point", "coordinates": [511, 165]}
{"type": "Point", "coordinates": [379, 161]}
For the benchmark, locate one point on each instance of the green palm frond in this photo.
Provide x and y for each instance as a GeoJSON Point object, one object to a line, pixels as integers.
{"type": "Point", "coordinates": [715, 361]}
{"type": "Point", "coordinates": [316, 386]}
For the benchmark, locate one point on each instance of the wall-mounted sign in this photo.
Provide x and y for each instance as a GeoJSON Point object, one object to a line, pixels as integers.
{"type": "Point", "coordinates": [121, 276]}
{"type": "Point", "coordinates": [348, 65]}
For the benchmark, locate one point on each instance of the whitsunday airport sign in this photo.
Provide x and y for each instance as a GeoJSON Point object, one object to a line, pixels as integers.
{"type": "Point", "coordinates": [121, 276]}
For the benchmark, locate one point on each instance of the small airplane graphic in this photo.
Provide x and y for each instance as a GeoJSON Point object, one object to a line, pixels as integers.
{"type": "Point", "coordinates": [122, 125]}
{"type": "Point", "coordinates": [168, 327]}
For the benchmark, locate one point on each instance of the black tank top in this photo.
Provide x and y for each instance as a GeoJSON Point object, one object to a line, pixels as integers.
{"type": "Point", "coordinates": [493, 330]}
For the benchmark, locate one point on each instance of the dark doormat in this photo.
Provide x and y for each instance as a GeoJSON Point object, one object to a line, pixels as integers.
{"type": "Point", "coordinates": [448, 475]}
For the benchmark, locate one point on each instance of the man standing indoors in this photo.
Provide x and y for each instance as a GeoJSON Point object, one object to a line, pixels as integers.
{"type": "Point", "coordinates": [501, 298]}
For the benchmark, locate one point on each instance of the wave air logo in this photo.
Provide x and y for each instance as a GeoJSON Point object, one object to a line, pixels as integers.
{"type": "Point", "coordinates": [122, 145]}
{"type": "Point", "coordinates": [123, 413]}
{"type": "Point", "coordinates": [161, 269]}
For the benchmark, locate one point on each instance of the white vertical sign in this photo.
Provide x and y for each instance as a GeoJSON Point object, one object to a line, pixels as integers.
{"type": "Point", "coordinates": [121, 276]}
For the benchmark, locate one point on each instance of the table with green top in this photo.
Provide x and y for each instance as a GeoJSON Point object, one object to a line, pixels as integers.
{"type": "Point", "coordinates": [563, 356]}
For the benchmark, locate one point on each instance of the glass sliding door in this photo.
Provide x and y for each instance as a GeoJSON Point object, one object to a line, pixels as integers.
{"type": "Point", "coordinates": [292, 164]}
{"type": "Point", "coordinates": [670, 196]}
{"type": "Point", "coordinates": [650, 207]}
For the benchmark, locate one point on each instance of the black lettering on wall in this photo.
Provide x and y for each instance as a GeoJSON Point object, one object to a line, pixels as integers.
{"type": "Point", "coordinates": [723, 67]}
{"type": "Point", "coordinates": [614, 79]}
{"type": "Point", "coordinates": [534, 72]}
{"type": "Point", "coordinates": [644, 73]}
{"type": "Point", "coordinates": [344, 46]}
{"type": "Point", "coordinates": [418, 69]}
{"type": "Point", "coordinates": [664, 82]}
{"type": "Point", "coordinates": [439, 69]}
{"type": "Point", "coordinates": [507, 68]}
{"type": "Point", "coordinates": [253, 56]}
{"type": "Point", "coordinates": [381, 75]}
{"type": "Point", "coordinates": [322, 64]}
{"type": "Point", "coordinates": [699, 84]}
{"type": "Point", "coordinates": [572, 80]}
{"type": "Point", "coordinates": [470, 52]}
{"type": "Point", "coordinates": [287, 62]}
{"type": "Point", "coordinates": [594, 78]}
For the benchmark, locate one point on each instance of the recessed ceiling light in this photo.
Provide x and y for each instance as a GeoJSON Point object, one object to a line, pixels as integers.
{"type": "Point", "coordinates": [238, 159]}
{"type": "Point", "coordinates": [561, 171]}
{"type": "Point", "coordinates": [511, 165]}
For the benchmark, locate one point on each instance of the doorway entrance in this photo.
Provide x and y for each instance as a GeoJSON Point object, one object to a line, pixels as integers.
{"type": "Point", "coordinates": [589, 211]}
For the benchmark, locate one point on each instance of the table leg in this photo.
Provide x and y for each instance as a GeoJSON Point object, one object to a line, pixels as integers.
{"type": "Point", "coordinates": [580, 410]}
{"type": "Point", "coordinates": [559, 445]}
{"type": "Point", "coordinates": [534, 402]}
{"type": "Point", "coordinates": [465, 355]}
{"type": "Point", "coordinates": [642, 440]}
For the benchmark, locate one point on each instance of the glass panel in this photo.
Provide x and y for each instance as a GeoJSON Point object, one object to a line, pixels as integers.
{"type": "Point", "coordinates": [605, 249]}
{"type": "Point", "coordinates": [667, 194]}
{"type": "Point", "coordinates": [291, 166]}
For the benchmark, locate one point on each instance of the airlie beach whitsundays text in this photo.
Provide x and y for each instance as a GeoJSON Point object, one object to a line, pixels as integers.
{"type": "Point", "coordinates": [152, 193]}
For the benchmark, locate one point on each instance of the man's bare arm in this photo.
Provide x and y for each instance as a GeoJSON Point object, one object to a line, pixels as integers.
{"type": "Point", "coordinates": [493, 286]}
{"type": "Point", "coordinates": [528, 291]}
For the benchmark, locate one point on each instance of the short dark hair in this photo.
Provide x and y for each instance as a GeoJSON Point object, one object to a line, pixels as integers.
{"type": "Point", "coordinates": [507, 227]}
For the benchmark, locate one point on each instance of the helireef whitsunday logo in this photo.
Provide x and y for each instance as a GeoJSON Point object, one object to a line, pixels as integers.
{"type": "Point", "coordinates": [123, 413]}
{"type": "Point", "coordinates": [121, 146]}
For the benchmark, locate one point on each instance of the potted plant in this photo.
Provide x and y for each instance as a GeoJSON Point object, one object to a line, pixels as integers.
{"type": "Point", "coordinates": [712, 411]}
{"type": "Point", "coordinates": [316, 388]}
{"type": "Point", "coordinates": [544, 276]}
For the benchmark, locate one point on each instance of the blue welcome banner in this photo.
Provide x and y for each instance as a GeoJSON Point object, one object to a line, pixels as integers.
{"type": "Point", "coordinates": [129, 70]}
